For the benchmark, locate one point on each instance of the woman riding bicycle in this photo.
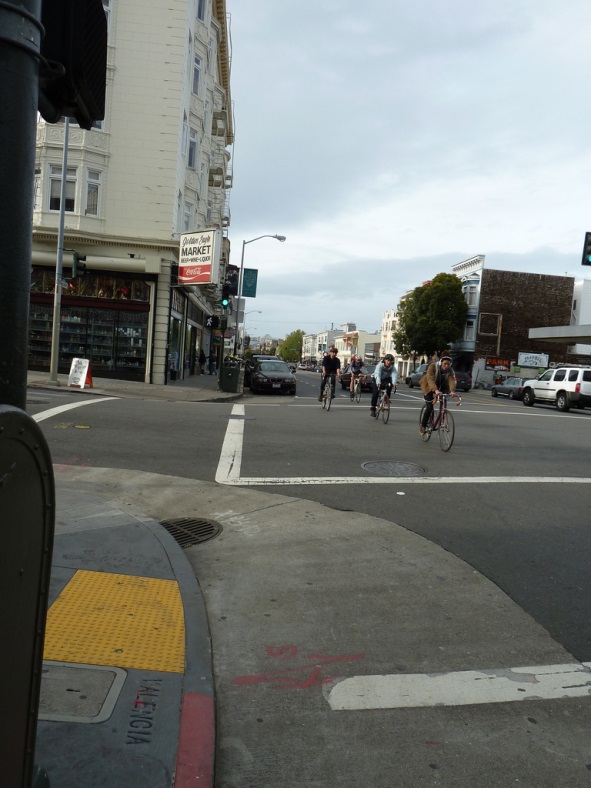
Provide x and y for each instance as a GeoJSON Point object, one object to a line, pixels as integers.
{"type": "Point", "coordinates": [385, 376]}
{"type": "Point", "coordinates": [438, 379]}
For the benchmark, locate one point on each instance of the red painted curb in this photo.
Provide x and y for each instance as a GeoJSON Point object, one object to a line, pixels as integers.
{"type": "Point", "coordinates": [194, 764]}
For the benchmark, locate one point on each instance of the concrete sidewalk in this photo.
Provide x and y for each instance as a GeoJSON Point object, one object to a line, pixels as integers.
{"type": "Point", "coordinates": [197, 388]}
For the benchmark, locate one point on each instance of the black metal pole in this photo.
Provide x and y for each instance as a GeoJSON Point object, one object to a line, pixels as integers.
{"type": "Point", "coordinates": [20, 37]}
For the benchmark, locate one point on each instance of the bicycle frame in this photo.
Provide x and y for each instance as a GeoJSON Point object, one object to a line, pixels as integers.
{"type": "Point", "coordinates": [383, 406]}
{"type": "Point", "coordinates": [440, 421]}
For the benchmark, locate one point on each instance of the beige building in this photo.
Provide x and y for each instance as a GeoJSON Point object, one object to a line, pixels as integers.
{"type": "Point", "coordinates": [159, 165]}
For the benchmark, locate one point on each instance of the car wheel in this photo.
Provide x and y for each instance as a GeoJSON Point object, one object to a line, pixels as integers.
{"type": "Point", "coordinates": [511, 395]}
{"type": "Point", "coordinates": [410, 384]}
{"type": "Point", "coordinates": [528, 398]}
{"type": "Point", "coordinates": [253, 388]}
{"type": "Point", "coordinates": [292, 393]}
{"type": "Point", "coordinates": [562, 402]}
{"type": "Point", "coordinates": [343, 385]}
{"type": "Point", "coordinates": [494, 393]}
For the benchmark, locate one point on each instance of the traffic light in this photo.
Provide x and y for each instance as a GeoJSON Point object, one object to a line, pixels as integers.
{"type": "Point", "coordinates": [212, 321]}
{"type": "Point", "coordinates": [587, 250]}
{"type": "Point", "coordinates": [78, 265]}
{"type": "Point", "coordinates": [225, 295]}
{"type": "Point", "coordinates": [73, 70]}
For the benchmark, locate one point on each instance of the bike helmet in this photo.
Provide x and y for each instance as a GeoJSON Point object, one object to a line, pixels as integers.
{"type": "Point", "coordinates": [389, 357]}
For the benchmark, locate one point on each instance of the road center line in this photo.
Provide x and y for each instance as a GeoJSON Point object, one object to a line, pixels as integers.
{"type": "Point", "coordinates": [463, 688]}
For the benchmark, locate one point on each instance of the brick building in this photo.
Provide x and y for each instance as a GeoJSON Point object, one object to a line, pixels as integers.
{"type": "Point", "coordinates": [511, 303]}
{"type": "Point", "coordinates": [503, 306]}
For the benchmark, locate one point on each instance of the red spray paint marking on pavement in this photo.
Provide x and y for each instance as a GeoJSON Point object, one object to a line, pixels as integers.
{"type": "Point", "coordinates": [287, 678]}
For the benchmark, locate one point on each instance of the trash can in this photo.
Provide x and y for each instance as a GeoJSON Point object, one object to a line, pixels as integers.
{"type": "Point", "coordinates": [231, 378]}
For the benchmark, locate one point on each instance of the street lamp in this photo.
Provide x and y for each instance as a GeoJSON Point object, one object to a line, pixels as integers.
{"type": "Point", "coordinates": [241, 274]}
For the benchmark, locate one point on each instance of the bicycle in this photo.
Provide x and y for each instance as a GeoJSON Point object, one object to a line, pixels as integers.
{"type": "Point", "coordinates": [327, 395]}
{"type": "Point", "coordinates": [357, 389]}
{"type": "Point", "coordinates": [443, 423]}
{"type": "Point", "coordinates": [383, 405]}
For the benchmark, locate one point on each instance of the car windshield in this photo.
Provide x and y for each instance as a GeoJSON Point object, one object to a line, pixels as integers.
{"type": "Point", "coordinates": [274, 366]}
{"type": "Point", "coordinates": [369, 369]}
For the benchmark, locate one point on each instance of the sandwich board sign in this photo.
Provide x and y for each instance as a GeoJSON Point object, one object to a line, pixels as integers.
{"type": "Point", "coordinates": [80, 373]}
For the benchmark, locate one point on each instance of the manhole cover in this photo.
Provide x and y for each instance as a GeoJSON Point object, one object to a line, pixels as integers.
{"type": "Point", "coordinates": [188, 531]}
{"type": "Point", "coordinates": [387, 468]}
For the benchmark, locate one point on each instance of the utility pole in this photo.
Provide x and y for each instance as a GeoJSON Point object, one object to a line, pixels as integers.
{"type": "Point", "coordinates": [57, 293]}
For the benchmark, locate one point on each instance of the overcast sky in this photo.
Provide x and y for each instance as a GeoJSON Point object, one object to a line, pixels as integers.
{"type": "Point", "coordinates": [390, 140]}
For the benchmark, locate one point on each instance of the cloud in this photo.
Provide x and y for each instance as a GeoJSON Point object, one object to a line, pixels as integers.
{"type": "Point", "coordinates": [389, 141]}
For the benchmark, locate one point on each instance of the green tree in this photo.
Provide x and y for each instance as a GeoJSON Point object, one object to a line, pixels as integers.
{"type": "Point", "coordinates": [291, 347]}
{"type": "Point", "coordinates": [431, 317]}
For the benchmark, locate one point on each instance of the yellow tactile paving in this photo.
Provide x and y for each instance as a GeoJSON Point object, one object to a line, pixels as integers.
{"type": "Point", "coordinates": [120, 620]}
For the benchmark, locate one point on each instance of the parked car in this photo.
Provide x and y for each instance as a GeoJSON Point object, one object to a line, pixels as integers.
{"type": "Point", "coordinates": [566, 387]}
{"type": "Point", "coordinates": [463, 381]}
{"type": "Point", "coordinates": [249, 364]}
{"type": "Point", "coordinates": [414, 378]}
{"type": "Point", "coordinates": [272, 375]}
{"type": "Point", "coordinates": [510, 387]}
{"type": "Point", "coordinates": [365, 377]}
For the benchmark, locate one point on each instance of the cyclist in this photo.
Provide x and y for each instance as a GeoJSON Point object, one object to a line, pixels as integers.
{"type": "Point", "coordinates": [384, 377]}
{"type": "Point", "coordinates": [331, 365]}
{"type": "Point", "coordinates": [356, 370]}
{"type": "Point", "coordinates": [438, 379]}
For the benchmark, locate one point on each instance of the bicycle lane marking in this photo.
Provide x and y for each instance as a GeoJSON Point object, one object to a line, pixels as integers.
{"type": "Point", "coordinates": [47, 414]}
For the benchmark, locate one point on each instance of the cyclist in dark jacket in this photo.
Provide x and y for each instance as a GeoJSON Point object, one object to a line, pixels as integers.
{"type": "Point", "coordinates": [438, 379]}
{"type": "Point", "coordinates": [356, 370]}
{"type": "Point", "coordinates": [331, 365]}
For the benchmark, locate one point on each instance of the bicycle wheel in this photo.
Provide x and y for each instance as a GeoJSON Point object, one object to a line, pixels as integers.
{"type": "Point", "coordinates": [357, 391]}
{"type": "Point", "coordinates": [429, 427]}
{"type": "Point", "coordinates": [447, 430]}
{"type": "Point", "coordinates": [385, 408]}
{"type": "Point", "coordinates": [327, 395]}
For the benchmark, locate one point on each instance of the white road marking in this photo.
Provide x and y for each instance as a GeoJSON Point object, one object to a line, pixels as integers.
{"type": "Point", "coordinates": [291, 480]}
{"type": "Point", "coordinates": [228, 470]}
{"type": "Point", "coordinates": [463, 688]}
{"type": "Point", "coordinates": [47, 414]}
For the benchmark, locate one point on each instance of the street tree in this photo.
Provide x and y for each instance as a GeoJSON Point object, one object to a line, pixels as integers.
{"type": "Point", "coordinates": [291, 347]}
{"type": "Point", "coordinates": [431, 317]}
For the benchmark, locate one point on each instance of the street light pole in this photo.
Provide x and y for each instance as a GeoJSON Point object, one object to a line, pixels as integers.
{"type": "Point", "coordinates": [241, 274]}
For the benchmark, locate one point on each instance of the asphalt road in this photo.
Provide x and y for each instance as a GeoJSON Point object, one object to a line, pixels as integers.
{"type": "Point", "coordinates": [531, 539]}
{"type": "Point", "coordinates": [295, 597]}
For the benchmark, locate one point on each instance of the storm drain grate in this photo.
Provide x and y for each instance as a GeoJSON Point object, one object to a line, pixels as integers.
{"type": "Point", "coordinates": [387, 468]}
{"type": "Point", "coordinates": [188, 531]}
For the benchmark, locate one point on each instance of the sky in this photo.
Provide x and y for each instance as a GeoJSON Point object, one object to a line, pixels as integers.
{"type": "Point", "coordinates": [390, 140]}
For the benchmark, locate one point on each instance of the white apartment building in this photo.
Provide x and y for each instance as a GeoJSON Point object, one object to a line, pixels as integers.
{"type": "Point", "coordinates": [158, 165]}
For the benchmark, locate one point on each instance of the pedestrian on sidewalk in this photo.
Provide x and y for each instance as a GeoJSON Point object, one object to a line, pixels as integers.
{"type": "Point", "coordinates": [211, 363]}
{"type": "Point", "coordinates": [202, 361]}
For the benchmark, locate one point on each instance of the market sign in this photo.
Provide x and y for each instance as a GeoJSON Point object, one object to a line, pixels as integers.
{"type": "Point", "coordinates": [197, 258]}
{"type": "Point", "coordinates": [534, 360]}
{"type": "Point", "coordinates": [498, 364]}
